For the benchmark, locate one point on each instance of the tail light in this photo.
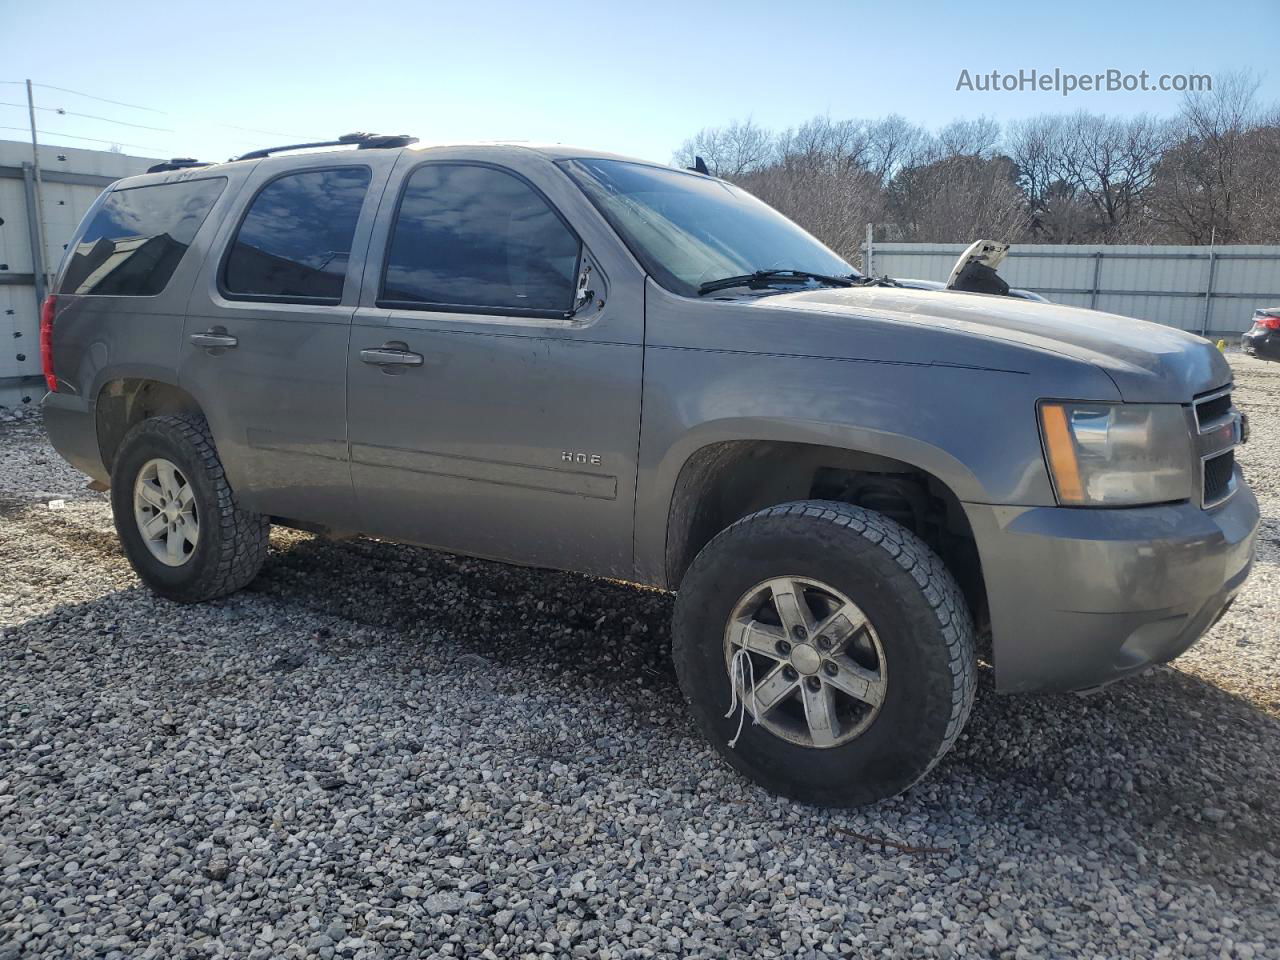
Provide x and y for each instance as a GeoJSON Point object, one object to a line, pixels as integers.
{"type": "Point", "coordinates": [47, 310]}
{"type": "Point", "coordinates": [1266, 321]}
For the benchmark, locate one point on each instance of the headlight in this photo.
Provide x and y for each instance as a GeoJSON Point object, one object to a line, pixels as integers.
{"type": "Point", "coordinates": [1114, 455]}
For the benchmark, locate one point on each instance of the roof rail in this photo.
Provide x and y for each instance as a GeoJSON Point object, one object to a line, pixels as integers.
{"type": "Point", "coordinates": [361, 141]}
{"type": "Point", "coordinates": [177, 163]}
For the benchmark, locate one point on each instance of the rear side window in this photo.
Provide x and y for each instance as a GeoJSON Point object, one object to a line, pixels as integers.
{"type": "Point", "coordinates": [295, 241]}
{"type": "Point", "coordinates": [480, 239]}
{"type": "Point", "coordinates": [137, 238]}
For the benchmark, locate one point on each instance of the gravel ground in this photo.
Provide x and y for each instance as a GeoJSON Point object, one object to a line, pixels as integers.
{"type": "Point", "coordinates": [380, 751]}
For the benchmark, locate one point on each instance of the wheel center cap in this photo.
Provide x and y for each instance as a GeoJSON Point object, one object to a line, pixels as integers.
{"type": "Point", "coordinates": [805, 659]}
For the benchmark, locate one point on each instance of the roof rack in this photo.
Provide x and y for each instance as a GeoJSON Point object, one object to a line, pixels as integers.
{"type": "Point", "coordinates": [361, 141]}
{"type": "Point", "coordinates": [177, 163]}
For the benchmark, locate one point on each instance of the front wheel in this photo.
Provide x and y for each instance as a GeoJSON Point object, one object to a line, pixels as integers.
{"type": "Point", "coordinates": [177, 517]}
{"type": "Point", "coordinates": [842, 642]}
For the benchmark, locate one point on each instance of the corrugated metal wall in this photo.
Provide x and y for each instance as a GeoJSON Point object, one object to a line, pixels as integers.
{"type": "Point", "coordinates": [1187, 287]}
{"type": "Point", "coordinates": [71, 181]}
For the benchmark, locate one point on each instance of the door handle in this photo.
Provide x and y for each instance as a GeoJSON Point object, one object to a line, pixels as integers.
{"type": "Point", "coordinates": [213, 340]}
{"type": "Point", "coordinates": [389, 356]}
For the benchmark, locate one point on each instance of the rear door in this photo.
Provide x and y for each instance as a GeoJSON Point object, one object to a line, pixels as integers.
{"type": "Point", "coordinates": [494, 405]}
{"type": "Point", "coordinates": [267, 330]}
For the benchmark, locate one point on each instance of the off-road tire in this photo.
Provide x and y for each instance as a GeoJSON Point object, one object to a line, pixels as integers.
{"type": "Point", "coordinates": [913, 603]}
{"type": "Point", "coordinates": [233, 542]}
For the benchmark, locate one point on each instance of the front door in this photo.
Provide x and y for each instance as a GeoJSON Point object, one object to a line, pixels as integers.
{"type": "Point", "coordinates": [494, 407]}
{"type": "Point", "coordinates": [266, 335]}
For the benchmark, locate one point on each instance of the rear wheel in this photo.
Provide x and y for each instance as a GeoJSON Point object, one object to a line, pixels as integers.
{"type": "Point", "coordinates": [843, 643]}
{"type": "Point", "coordinates": [177, 517]}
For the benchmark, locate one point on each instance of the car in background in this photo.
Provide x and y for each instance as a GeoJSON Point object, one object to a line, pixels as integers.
{"type": "Point", "coordinates": [1263, 338]}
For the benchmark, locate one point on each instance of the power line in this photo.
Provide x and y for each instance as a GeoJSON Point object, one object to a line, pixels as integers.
{"type": "Point", "coordinates": [71, 136]}
{"type": "Point", "coordinates": [118, 103]}
{"type": "Point", "coordinates": [125, 123]}
{"type": "Point", "coordinates": [88, 116]}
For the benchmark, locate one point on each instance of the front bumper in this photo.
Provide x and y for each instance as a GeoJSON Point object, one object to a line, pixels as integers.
{"type": "Point", "coordinates": [1080, 597]}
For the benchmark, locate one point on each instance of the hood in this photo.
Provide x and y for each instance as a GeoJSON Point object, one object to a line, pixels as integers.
{"type": "Point", "coordinates": [939, 285]}
{"type": "Point", "coordinates": [1148, 362]}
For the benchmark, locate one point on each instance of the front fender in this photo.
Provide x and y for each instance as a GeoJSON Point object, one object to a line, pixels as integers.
{"type": "Point", "coordinates": [974, 430]}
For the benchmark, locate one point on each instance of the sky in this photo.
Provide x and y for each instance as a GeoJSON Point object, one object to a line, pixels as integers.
{"type": "Point", "coordinates": [636, 78]}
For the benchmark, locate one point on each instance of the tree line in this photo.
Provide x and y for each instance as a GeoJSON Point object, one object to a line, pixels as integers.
{"type": "Point", "coordinates": [1211, 173]}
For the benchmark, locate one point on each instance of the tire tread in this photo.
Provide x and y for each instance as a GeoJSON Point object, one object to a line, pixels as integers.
{"type": "Point", "coordinates": [242, 546]}
{"type": "Point", "coordinates": [937, 585]}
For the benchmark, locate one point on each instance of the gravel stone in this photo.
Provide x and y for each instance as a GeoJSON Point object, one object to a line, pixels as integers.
{"type": "Point", "coordinates": [377, 751]}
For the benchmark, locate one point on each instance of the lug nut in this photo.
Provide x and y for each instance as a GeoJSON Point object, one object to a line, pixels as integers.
{"type": "Point", "coordinates": [783, 647]}
{"type": "Point", "coordinates": [830, 669]}
{"type": "Point", "coordinates": [799, 632]}
{"type": "Point", "coordinates": [789, 673]}
{"type": "Point", "coordinates": [813, 683]}
{"type": "Point", "coordinates": [824, 642]}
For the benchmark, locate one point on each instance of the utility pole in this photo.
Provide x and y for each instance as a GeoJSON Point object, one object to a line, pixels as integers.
{"type": "Point", "coordinates": [1208, 287]}
{"type": "Point", "coordinates": [39, 256]}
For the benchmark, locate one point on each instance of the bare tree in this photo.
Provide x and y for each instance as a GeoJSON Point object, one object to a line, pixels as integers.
{"type": "Point", "coordinates": [1071, 166]}
{"type": "Point", "coordinates": [968, 138]}
{"type": "Point", "coordinates": [1221, 179]}
{"type": "Point", "coordinates": [1112, 163]}
{"type": "Point", "coordinates": [831, 202]}
{"type": "Point", "coordinates": [1212, 172]}
{"type": "Point", "coordinates": [729, 152]}
{"type": "Point", "coordinates": [957, 198]}
{"type": "Point", "coordinates": [894, 142]}
{"type": "Point", "coordinates": [1056, 210]}
{"type": "Point", "coordinates": [820, 178]}
{"type": "Point", "coordinates": [823, 142]}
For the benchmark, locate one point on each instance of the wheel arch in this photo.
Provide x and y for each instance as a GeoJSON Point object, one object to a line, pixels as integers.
{"type": "Point", "coordinates": [721, 480]}
{"type": "Point", "coordinates": [122, 402]}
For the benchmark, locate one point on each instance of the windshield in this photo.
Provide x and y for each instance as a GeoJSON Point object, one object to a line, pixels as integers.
{"type": "Point", "coordinates": [689, 229]}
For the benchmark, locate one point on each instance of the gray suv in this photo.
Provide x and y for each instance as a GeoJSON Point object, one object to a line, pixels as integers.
{"type": "Point", "coordinates": [567, 359]}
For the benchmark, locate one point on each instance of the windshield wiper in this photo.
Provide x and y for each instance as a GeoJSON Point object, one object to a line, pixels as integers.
{"type": "Point", "coordinates": [877, 282]}
{"type": "Point", "coordinates": [762, 277]}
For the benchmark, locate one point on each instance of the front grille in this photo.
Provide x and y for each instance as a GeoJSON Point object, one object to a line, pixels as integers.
{"type": "Point", "coordinates": [1219, 427]}
{"type": "Point", "coordinates": [1219, 477]}
{"type": "Point", "coordinates": [1212, 408]}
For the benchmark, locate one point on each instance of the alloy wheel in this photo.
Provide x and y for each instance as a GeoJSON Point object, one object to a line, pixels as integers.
{"type": "Point", "coordinates": [805, 661]}
{"type": "Point", "coordinates": [165, 510]}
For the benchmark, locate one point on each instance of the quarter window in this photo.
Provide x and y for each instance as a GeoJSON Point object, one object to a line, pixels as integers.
{"type": "Point", "coordinates": [478, 238]}
{"type": "Point", "coordinates": [295, 241]}
{"type": "Point", "coordinates": [137, 238]}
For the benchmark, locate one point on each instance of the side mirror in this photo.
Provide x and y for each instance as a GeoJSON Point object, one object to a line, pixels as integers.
{"type": "Point", "coordinates": [585, 295]}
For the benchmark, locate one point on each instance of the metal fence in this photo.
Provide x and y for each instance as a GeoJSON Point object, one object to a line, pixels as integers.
{"type": "Point", "coordinates": [32, 209]}
{"type": "Point", "coordinates": [1212, 291]}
